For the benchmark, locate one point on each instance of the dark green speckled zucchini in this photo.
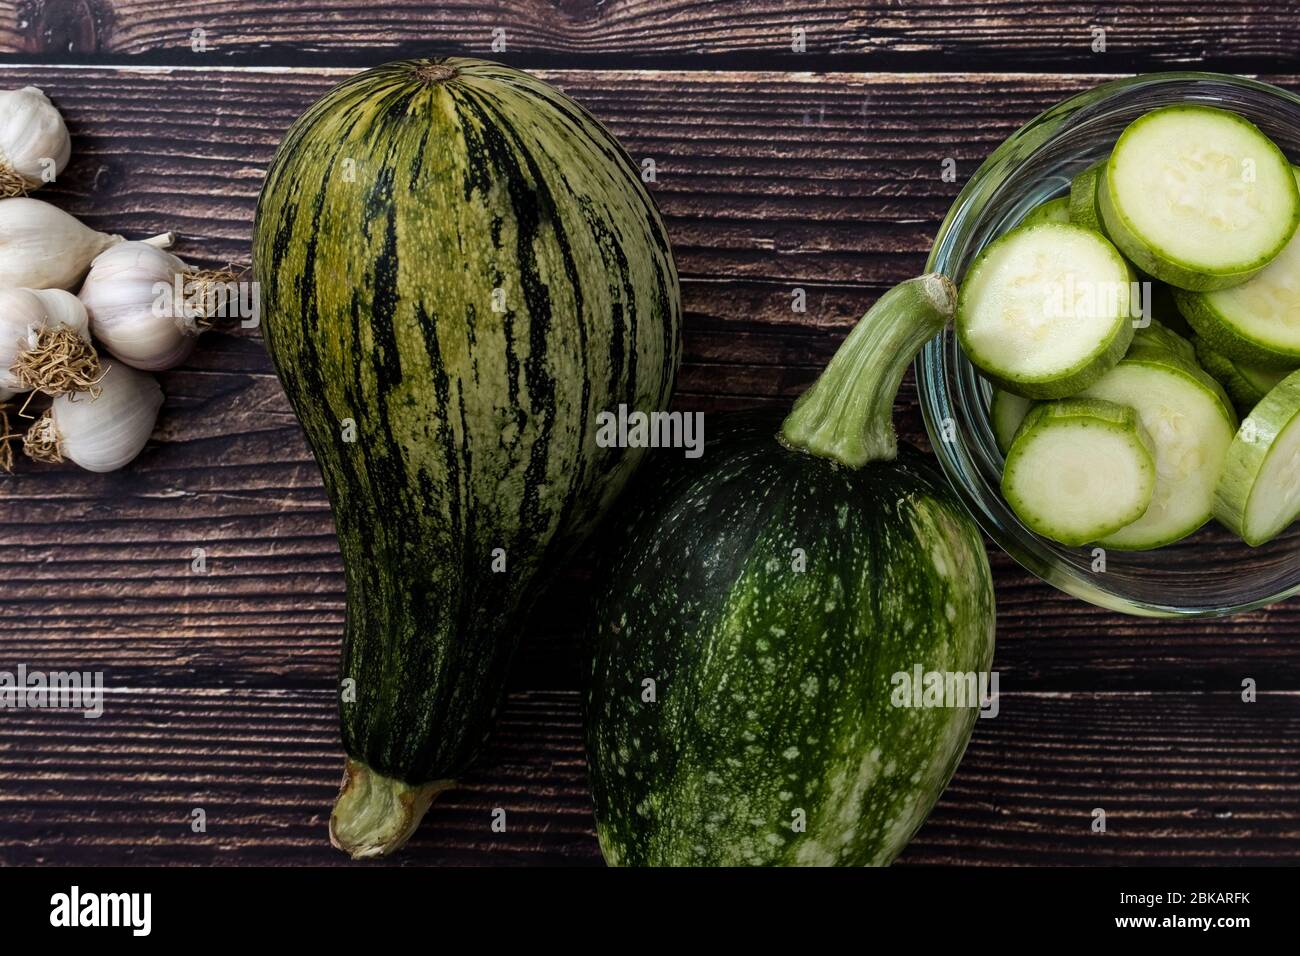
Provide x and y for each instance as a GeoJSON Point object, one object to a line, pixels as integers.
{"type": "Point", "coordinates": [759, 607]}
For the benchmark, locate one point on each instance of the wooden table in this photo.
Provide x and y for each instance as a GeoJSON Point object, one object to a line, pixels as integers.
{"type": "Point", "coordinates": [776, 169]}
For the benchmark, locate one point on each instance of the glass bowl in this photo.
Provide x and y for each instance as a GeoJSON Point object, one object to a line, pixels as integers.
{"type": "Point", "coordinates": [1212, 573]}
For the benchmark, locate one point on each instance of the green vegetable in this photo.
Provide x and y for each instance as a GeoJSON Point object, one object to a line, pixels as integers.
{"type": "Point", "coordinates": [1006, 411]}
{"type": "Point", "coordinates": [1054, 210]}
{"type": "Point", "coordinates": [1245, 384]}
{"type": "Point", "coordinates": [1258, 495]}
{"type": "Point", "coordinates": [1083, 198]}
{"type": "Point", "coordinates": [1197, 197]}
{"type": "Point", "coordinates": [1158, 335]}
{"type": "Point", "coordinates": [1079, 470]}
{"type": "Point", "coordinates": [1190, 421]}
{"type": "Point", "coordinates": [460, 269]}
{"type": "Point", "coordinates": [763, 609]}
{"type": "Point", "coordinates": [1255, 322]}
{"type": "Point", "coordinates": [1044, 311]}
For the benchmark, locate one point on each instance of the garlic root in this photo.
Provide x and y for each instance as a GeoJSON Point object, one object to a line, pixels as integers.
{"type": "Point", "coordinates": [59, 362]}
{"type": "Point", "coordinates": [6, 436]}
{"type": "Point", "coordinates": [41, 443]}
{"type": "Point", "coordinates": [11, 181]}
{"type": "Point", "coordinates": [210, 293]}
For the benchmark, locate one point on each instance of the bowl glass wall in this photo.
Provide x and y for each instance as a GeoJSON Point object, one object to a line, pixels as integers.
{"type": "Point", "coordinates": [1210, 573]}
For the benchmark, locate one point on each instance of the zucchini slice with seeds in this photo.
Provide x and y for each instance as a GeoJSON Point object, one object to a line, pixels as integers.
{"type": "Point", "coordinates": [1198, 197]}
{"type": "Point", "coordinates": [1258, 321]}
{"type": "Point", "coordinates": [1044, 311]}
{"type": "Point", "coordinates": [1079, 470]}
{"type": "Point", "coordinates": [1191, 421]}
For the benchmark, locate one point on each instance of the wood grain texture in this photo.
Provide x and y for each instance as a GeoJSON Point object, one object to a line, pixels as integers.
{"type": "Point", "coordinates": [1181, 778]}
{"type": "Point", "coordinates": [831, 180]}
{"type": "Point", "coordinates": [97, 569]}
{"type": "Point", "coordinates": [768, 182]}
{"type": "Point", "coordinates": [875, 35]}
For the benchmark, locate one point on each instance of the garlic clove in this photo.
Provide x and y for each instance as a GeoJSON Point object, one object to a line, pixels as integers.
{"type": "Point", "coordinates": [137, 260]}
{"type": "Point", "coordinates": [100, 433]}
{"type": "Point", "coordinates": [34, 141]}
{"type": "Point", "coordinates": [42, 247]}
{"type": "Point", "coordinates": [130, 293]}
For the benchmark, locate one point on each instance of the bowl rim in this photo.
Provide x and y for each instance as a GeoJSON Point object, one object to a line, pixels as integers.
{"type": "Point", "coordinates": [1029, 549]}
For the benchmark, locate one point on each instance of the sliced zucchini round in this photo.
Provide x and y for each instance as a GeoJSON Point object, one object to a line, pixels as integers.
{"type": "Point", "coordinates": [1245, 384]}
{"type": "Point", "coordinates": [1054, 210]}
{"type": "Point", "coordinates": [1258, 494]}
{"type": "Point", "coordinates": [1006, 412]}
{"type": "Point", "coordinates": [1079, 470]}
{"type": "Point", "coordinates": [1257, 321]}
{"type": "Point", "coordinates": [1198, 197]}
{"type": "Point", "coordinates": [1044, 311]}
{"type": "Point", "coordinates": [1083, 198]}
{"type": "Point", "coordinates": [1190, 420]}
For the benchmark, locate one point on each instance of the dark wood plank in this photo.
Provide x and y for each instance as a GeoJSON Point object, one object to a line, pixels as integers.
{"type": "Point", "coordinates": [822, 182]}
{"type": "Point", "coordinates": [828, 183]}
{"type": "Point", "coordinates": [96, 569]}
{"type": "Point", "coordinates": [1189, 778]}
{"type": "Point", "coordinates": [880, 34]}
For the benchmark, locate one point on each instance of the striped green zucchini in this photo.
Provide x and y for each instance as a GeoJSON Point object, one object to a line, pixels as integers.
{"type": "Point", "coordinates": [459, 268]}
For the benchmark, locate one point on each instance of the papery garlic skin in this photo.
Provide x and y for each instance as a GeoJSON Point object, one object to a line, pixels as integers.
{"type": "Point", "coordinates": [103, 434]}
{"type": "Point", "coordinates": [23, 315]}
{"type": "Point", "coordinates": [64, 310]}
{"type": "Point", "coordinates": [33, 137]}
{"type": "Point", "coordinates": [132, 319]}
{"type": "Point", "coordinates": [42, 247]}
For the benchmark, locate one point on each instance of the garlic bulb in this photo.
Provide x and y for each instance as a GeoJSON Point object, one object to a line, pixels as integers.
{"type": "Point", "coordinates": [99, 433]}
{"type": "Point", "coordinates": [138, 297]}
{"type": "Point", "coordinates": [45, 343]}
{"type": "Point", "coordinates": [42, 247]}
{"type": "Point", "coordinates": [34, 142]}
{"type": "Point", "coordinates": [65, 311]}
{"type": "Point", "coordinates": [22, 317]}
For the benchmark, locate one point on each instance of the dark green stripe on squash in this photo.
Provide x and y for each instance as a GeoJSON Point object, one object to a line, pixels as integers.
{"type": "Point", "coordinates": [394, 210]}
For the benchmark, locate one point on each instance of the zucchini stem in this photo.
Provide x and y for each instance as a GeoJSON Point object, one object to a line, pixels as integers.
{"type": "Point", "coordinates": [374, 815]}
{"type": "Point", "coordinates": [848, 413]}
